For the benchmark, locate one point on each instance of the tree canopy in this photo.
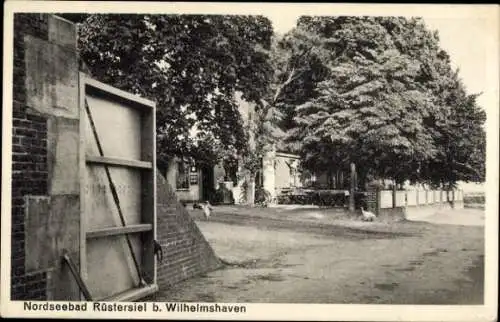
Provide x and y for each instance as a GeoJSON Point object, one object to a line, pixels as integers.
{"type": "Point", "coordinates": [191, 65]}
{"type": "Point", "coordinates": [389, 102]}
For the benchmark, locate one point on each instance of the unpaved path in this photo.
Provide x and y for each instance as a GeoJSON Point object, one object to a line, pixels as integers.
{"type": "Point", "coordinates": [294, 261]}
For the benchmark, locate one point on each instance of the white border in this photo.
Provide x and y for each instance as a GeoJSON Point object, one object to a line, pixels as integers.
{"type": "Point", "coordinates": [318, 312]}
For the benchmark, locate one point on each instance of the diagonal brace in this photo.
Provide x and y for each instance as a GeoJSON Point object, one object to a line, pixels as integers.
{"type": "Point", "coordinates": [114, 194]}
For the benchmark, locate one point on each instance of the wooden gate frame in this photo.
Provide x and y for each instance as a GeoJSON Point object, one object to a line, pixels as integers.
{"type": "Point", "coordinates": [148, 166]}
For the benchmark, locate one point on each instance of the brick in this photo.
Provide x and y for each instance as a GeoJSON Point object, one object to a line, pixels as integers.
{"type": "Point", "coordinates": [17, 228]}
{"type": "Point", "coordinates": [18, 167]}
{"type": "Point", "coordinates": [39, 176]}
{"type": "Point", "coordinates": [18, 271]}
{"type": "Point", "coordinates": [39, 150]}
{"type": "Point", "coordinates": [18, 111]}
{"type": "Point", "coordinates": [21, 157]}
{"type": "Point", "coordinates": [19, 280]}
{"type": "Point", "coordinates": [17, 219]}
{"type": "Point", "coordinates": [18, 289]}
{"type": "Point", "coordinates": [36, 118]}
{"type": "Point", "coordinates": [17, 262]}
{"type": "Point", "coordinates": [28, 141]}
{"type": "Point", "coordinates": [16, 201]}
{"type": "Point", "coordinates": [18, 148]}
{"type": "Point", "coordinates": [18, 247]}
{"type": "Point", "coordinates": [42, 166]}
{"type": "Point", "coordinates": [39, 187]}
{"type": "Point", "coordinates": [32, 278]}
{"type": "Point", "coordinates": [16, 122]}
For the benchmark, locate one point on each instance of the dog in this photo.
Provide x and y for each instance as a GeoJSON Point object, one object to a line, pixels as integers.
{"type": "Point", "coordinates": [368, 216]}
{"type": "Point", "coordinates": [207, 209]}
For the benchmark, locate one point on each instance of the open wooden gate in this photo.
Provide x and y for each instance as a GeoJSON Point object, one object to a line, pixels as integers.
{"type": "Point", "coordinates": [118, 211]}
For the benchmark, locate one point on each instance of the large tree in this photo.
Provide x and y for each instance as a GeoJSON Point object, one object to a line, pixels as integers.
{"type": "Point", "coordinates": [385, 103]}
{"type": "Point", "coordinates": [191, 65]}
{"type": "Point", "coordinates": [299, 59]}
{"type": "Point", "coordinates": [459, 136]}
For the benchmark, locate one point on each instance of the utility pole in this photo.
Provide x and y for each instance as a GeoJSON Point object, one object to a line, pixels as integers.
{"type": "Point", "coordinates": [394, 192]}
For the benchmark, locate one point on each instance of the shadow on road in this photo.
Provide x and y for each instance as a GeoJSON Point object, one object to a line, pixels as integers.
{"type": "Point", "coordinates": [323, 229]}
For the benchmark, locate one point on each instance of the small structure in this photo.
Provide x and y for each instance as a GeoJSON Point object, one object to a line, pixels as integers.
{"type": "Point", "coordinates": [281, 171]}
{"type": "Point", "coordinates": [197, 183]}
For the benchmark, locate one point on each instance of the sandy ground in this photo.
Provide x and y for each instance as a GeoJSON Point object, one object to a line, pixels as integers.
{"type": "Point", "coordinates": [466, 216]}
{"type": "Point", "coordinates": [325, 256]}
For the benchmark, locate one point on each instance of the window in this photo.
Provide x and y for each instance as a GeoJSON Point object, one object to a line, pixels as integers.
{"type": "Point", "coordinates": [182, 180]}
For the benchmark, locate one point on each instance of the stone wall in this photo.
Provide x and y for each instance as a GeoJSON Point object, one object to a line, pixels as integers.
{"type": "Point", "coordinates": [45, 188]}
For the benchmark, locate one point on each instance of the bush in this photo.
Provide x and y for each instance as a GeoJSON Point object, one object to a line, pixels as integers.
{"type": "Point", "coordinates": [322, 199]}
{"type": "Point", "coordinates": [332, 199]}
{"type": "Point", "coordinates": [474, 199]}
{"type": "Point", "coordinates": [360, 200]}
{"type": "Point", "coordinates": [262, 196]}
{"type": "Point", "coordinates": [217, 197]}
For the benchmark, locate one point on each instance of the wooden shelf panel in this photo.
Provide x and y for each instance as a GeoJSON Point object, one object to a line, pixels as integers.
{"type": "Point", "coordinates": [119, 162]}
{"type": "Point", "coordinates": [112, 231]}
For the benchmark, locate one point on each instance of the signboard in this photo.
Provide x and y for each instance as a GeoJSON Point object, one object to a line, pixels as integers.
{"type": "Point", "coordinates": [193, 178]}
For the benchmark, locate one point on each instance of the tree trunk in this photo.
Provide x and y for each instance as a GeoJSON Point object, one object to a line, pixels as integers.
{"type": "Point", "coordinates": [361, 179]}
{"type": "Point", "coordinates": [352, 188]}
{"type": "Point", "coordinates": [250, 193]}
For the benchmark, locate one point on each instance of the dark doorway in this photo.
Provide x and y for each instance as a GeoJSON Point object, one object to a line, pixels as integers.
{"type": "Point", "coordinates": [207, 183]}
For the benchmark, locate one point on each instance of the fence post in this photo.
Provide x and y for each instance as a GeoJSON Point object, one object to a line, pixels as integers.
{"type": "Point", "coordinates": [377, 201]}
{"type": "Point", "coordinates": [352, 187]}
{"type": "Point", "coordinates": [394, 196]}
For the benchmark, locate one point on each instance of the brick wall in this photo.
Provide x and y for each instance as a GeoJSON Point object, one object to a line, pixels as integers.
{"type": "Point", "coordinates": [29, 159]}
{"type": "Point", "coordinates": [186, 252]}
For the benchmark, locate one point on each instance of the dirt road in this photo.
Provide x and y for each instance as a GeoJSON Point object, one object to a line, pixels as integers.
{"type": "Point", "coordinates": [281, 260]}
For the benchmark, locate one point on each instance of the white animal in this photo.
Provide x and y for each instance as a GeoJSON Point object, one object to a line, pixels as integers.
{"type": "Point", "coordinates": [368, 216]}
{"type": "Point", "coordinates": [207, 209]}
